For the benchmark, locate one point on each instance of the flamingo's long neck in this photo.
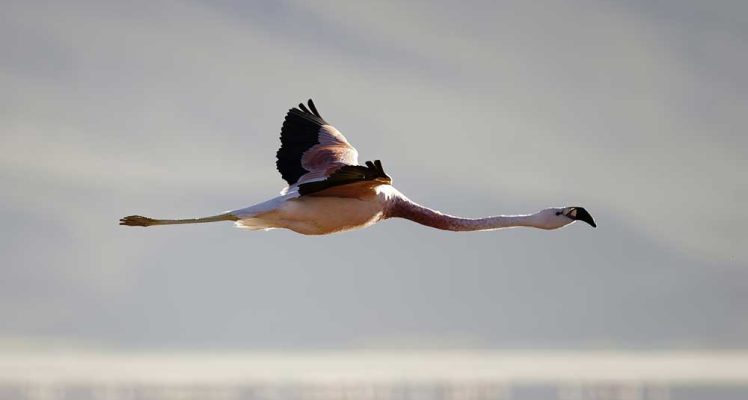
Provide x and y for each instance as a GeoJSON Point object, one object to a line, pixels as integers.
{"type": "Point", "coordinates": [402, 207]}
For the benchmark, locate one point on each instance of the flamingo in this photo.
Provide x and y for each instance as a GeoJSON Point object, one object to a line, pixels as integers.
{"type": "Point", "coordinates": [329, 192]}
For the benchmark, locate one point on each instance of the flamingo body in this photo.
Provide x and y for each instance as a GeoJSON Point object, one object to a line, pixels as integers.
{"type": "Point", "coordinates": [329, 192]}
{"type": "Point", "coordinates": [317, 215]}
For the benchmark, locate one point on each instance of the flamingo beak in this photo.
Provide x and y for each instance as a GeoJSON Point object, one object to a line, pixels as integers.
{"type": "Point", "coordinates": [581, 214]}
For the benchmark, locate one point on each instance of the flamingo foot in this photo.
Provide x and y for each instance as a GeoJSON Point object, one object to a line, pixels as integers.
{"type": "Point", "coordinates": [137, 220]}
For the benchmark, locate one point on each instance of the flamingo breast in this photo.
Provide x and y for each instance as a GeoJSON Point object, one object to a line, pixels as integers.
{"type": "Point", "coordinates": [311, 215]}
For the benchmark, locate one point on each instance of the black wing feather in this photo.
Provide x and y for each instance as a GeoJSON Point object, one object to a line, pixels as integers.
{"type": "Point", "coordinates": [345, 175]}
{"type": "Point", "coordinates": [313, 108]}
{"type": "Point", "coordinates": [299, 133]}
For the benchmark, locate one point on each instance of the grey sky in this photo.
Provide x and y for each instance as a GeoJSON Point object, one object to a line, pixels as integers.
{"type": "Point", "coordinates": [635, 110]}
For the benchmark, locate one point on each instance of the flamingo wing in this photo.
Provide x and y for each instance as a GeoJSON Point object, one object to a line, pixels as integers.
{"type": "Point", "coordinates": [311, 149]}
{"type": "Point", "coordinates": [314, 156]}
{"type": "Point", "coordinates": [348, 181]}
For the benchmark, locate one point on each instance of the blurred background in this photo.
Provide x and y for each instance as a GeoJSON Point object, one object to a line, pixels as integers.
{"type": "Point", "coordinates": [635, 110]}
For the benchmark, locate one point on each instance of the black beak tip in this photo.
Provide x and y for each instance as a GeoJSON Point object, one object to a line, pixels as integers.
{"type": "Point", "coordinates": [583, 215]}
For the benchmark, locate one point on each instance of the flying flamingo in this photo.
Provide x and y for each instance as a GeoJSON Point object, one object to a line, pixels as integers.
{"type": "Point", "coordinates": [329, 192]}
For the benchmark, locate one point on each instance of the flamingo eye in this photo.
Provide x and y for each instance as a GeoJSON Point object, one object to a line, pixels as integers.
{"type": "Point", "coordinates": [558, 212]}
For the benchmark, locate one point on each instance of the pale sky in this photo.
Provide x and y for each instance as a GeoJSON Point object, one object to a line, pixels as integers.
{"type": "Point", "coordinates": [634, 110]}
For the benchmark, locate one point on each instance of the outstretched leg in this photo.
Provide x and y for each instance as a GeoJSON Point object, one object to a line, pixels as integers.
{"type": "Point", "coordinates": [138, 220]}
